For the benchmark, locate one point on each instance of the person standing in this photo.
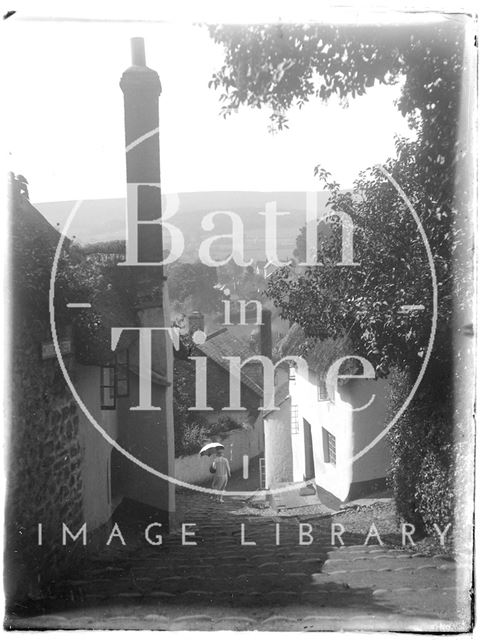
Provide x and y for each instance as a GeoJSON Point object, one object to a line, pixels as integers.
{"type": "Point", "coordinates": [222, 473]}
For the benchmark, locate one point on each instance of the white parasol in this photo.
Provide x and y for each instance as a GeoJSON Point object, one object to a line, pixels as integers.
{"type": "Point", "coordinates": [207, 449]}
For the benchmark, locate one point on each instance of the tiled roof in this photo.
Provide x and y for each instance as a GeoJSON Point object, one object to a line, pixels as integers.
{"type": "Point", "coordinates": [225, 343]}
{"type": "Point", "coordinates": [319, 354]}
{"type": "Point", "coordinates": [281, 394]}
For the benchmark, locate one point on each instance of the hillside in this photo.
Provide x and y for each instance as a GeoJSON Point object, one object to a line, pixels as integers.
{"type": "Point", "coordinates": [98, 220]}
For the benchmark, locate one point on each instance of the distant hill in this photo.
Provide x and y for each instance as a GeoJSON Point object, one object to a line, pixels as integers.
{"type": "Point", "coordinates": [100, 220]}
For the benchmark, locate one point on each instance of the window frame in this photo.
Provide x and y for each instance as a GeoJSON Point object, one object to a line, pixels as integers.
{"type": "Point", "coordinates": [111, 385]}
{"type": "Point", "coordinates": [122, 373]}
{"type": "Point", "coordinates": [322, 394]}
{"type": "Point", "coordinates": [329, 442]}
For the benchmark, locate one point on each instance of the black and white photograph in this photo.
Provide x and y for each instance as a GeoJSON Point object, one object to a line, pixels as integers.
{"type": "Point", "coordinates": [240, 317]}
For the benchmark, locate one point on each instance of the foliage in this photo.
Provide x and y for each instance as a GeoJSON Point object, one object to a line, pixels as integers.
{"type": "Point", "coordinates": [192, 430]}
{"type": "Point", "coordinates": [192, 284]}
{"type": "Point", "coordinates": [94, 277]}
{"type": "Point", "coordinates": [83, 274]}
{"type": "Point", "coordinates": [435, 489]}
{"type": "Point", "coordinates": [80, 276]}
{"type": "Point", "coordinates": [286, 65]}
{"type": "Point", "coordinates": [242, 280]}
{"type": "Point", "coordinates": [107, 247]}
{"type": "Point", "coordinates": [190, 436]}
{"type": "Point", "coordinates": [30, 273]}
{"type": "Point", "coordinates": [422, 449]}
{"type": "Point", "coordinates": [189, 428]}
{"type": "Point", "coordinates": [364, 302]}
{"type": "Point", "coordinates": [224, 424]}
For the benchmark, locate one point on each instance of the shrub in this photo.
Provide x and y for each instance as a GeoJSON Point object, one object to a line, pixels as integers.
{"type": "Point", "coordinates": [435, 491]}
{"type": "Point", "coordinates": [422, 459]}
{"type": "Point", "coordinates": [192, 432]}
{"type": "Point", "coordinates": [223, 425]}
{"type": "Point", "coordinates": [190, 436]}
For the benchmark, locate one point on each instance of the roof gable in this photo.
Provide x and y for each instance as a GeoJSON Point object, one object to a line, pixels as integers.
{"type": "Point", "coordinates": [224, 344]}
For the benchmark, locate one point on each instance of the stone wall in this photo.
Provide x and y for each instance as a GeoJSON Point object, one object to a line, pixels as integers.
{"type": "Point", "coordinates": [44, 466]}
{"type": "Point", "coordinates": [194, 469]}
{"type": "Point", "coordinates": [44, 453]}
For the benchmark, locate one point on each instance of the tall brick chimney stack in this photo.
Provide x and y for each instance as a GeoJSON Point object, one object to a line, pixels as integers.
{"type": "Point", "coordinates": [141, 89]}
{"type": "Point", "coordinates": [148, 434]}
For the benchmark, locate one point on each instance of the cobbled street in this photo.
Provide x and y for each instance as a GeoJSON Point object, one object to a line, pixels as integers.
{"type": "Point", "coordinates": [221, 584]}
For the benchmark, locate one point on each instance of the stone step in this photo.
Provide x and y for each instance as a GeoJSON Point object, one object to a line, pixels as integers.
{"type": "Point", "coordinates": [411, 600]}
{"type": "Point", "coordinates": [360, 553]}
{"type": "Point", "coordinates": [381, 562]}
{"type": "Point", "coordinates": [235, 623]}
{"type": "Point", "coordinates": [192, 623]}
{"type": "Point", "coordinates": [374, 579]}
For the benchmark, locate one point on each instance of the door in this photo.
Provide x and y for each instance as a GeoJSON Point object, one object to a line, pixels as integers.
{"type": "Point", "coordinates": [309, 463]}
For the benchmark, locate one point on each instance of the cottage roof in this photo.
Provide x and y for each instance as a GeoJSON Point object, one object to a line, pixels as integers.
{"type": "Point", "coordinates": [29, 222]}
{"type": "Point", "coordinates": [223, 344]}
{"type": "Point", "coordinates": [281, 394]}
{"type": "Point", "coordinates": [319, 354]}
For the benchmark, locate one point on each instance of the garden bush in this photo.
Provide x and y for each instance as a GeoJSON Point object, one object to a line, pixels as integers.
{"type": "Point", "coordinates": [423, 455]}
{"type": "Point", "coordinates": [192, 432]}
{"type": "Point", "coordinates": [190, 436]}
{"type": "Point", "coordinates": [223, 425]}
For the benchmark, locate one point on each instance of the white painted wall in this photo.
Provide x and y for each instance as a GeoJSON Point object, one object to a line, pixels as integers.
{"type": "Point", "coordinates": [337, 419]}
{"type": "Point", "coordinates": [96, 472]}
{"type": "Point", "coordinates": [277, 439]}
{"type": "Point", "coordinates": [353, 430]}
{"type": "Point", "coordinates": [237, 443]}
{"type": "Point", "coordinates": [367, 425]}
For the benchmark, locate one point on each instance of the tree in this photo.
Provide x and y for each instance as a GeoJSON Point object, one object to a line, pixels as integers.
{"type": "Point", "coordinates": [192, 284]}
{"type": "Point", "coordinates": [286, 65]}
{"type": "Point", "coordinates": [365, 301]}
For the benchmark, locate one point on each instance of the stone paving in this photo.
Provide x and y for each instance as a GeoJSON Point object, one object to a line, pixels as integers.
{"type": "Point", "coordinates": [221, 584]}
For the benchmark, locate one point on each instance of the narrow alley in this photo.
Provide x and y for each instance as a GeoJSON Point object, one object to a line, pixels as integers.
{"type": "Point", "coordinates": [219, 583]}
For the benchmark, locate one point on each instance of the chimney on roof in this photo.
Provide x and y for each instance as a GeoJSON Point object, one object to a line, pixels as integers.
{"type": "Point", "coordinates": [196, 322]}
{"type": "Point", "coordinates": [138, 52]}
{"type": "Point", "coordinates": [266, 341]}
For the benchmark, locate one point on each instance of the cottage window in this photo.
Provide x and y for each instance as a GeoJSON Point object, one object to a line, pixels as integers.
{"type": "Point", "coordinates": [295, 424]}
{"type": "Point", "coordinates": [108, 387]}
{"type": "Point", "coordinates": [115, 380]}
{"type": "Point", "coordinates": [322, 390]}
{"type": "Point", "coordinates": [329, 447]}
{"type": "Point", "coordinates": [122, 374]}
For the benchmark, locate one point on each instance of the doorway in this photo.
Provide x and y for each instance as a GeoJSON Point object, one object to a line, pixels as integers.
{"type": "Point", "coordinates": [309, 461]}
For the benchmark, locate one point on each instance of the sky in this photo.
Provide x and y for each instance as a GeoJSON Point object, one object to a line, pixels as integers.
{"type": "Point", "coordinates": [64, 111]}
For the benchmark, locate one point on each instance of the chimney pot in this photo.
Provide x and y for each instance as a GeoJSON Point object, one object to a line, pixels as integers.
{"type": "Point", "coordinates": [196, 322]}
{"type": "Point", "coordinates": [138, 52]}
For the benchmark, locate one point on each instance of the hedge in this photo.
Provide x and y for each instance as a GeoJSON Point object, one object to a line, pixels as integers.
{"type": "Point", "coordinates": [192, 434]}
{"type": "Point", "coordinates": [422, 473]}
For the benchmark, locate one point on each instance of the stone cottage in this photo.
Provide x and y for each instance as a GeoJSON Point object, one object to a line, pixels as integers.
{"type": "Point", "coordinates": [314, 437]}
{"type": "Point", "coordinates": [65, 480]}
